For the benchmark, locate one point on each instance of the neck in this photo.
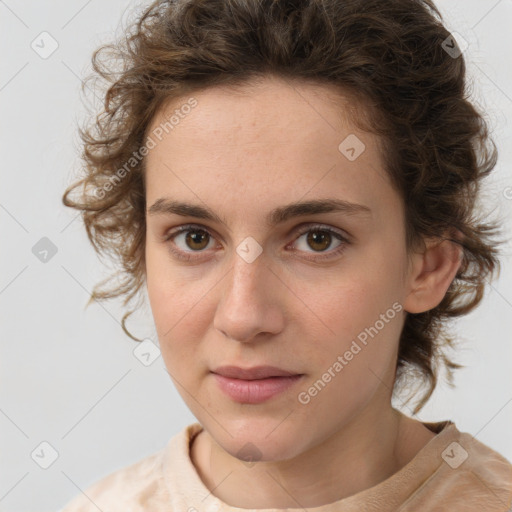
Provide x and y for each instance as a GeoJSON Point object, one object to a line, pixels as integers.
{"type": "Point", "coordinates": [359, 456]}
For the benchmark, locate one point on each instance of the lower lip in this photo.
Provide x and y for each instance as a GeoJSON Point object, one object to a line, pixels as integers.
{"type": "Point", "coordinates": [255, 391]}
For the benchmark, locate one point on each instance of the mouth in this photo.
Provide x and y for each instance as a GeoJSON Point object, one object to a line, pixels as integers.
{"type": "Point", "coordinates": [256, 372]}
{"type": "Point", "coordinates": [254, 385]}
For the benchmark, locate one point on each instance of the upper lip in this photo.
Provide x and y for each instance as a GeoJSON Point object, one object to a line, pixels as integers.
{"type": "Point", "coordinates": [256, 372]}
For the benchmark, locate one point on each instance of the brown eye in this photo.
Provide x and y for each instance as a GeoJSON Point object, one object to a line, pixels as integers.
{"type": "Point", "coordinates": [319, 240]}
{"type": "Point", "coordinates": [195, 239]}
{"type": "Point", "coordinates": [189, 242]}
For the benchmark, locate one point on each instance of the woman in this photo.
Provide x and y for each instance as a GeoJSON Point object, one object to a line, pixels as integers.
{"type": "Point", "coordinates": [294, 183]}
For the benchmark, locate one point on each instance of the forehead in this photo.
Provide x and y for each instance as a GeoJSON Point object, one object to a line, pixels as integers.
{"type": "Point", "coordinates": [266, 140]}
{"type": "Point", "coordinates": [250, 114]}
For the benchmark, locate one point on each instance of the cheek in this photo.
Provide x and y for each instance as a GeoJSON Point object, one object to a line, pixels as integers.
{"type": "Point", "coordinates": [347, 305]}
{"type": "Point", "coordinates": [362, 320]}
{"type": "Point", "coordinates": [178, 312]}
{"type": "Point", "coordinates": [359, 357]}
{"type": "Point", "coordinates": [174, 293]}
{"type": "Point", "coordinates": [178, 308]}
{"type": "Point", "coordinates": [183, 301]}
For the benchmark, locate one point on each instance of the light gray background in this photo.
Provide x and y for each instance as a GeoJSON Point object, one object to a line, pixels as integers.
{"type": "Point", "coordinates": [69, 376]}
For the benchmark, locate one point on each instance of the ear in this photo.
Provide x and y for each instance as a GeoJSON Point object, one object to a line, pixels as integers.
{"type": "Point", "coordinates": [431, 273]}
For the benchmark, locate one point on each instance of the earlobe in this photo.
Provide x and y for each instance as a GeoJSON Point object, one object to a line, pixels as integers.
{"type": "Point", "coordinates": [433, 271]}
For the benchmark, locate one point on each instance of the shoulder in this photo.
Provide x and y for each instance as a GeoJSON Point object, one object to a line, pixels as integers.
{"type": "Point", "coordinates": [490, 472]}
{"type": "Point", "coordinates": [122, 488]}
{"type": "Point", "coordinates": [470, 474]}
{"type": "Point", "coordinates": [138, 487]}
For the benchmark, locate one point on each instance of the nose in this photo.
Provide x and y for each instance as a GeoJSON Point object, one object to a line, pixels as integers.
{"type": "Point", "coordinates": [250, 306]}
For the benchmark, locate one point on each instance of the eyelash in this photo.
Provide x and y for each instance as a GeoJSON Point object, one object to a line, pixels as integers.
{"type": "Point", "coordinates": [195, 227]}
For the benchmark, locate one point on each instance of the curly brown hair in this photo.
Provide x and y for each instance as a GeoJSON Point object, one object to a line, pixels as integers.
{"type": "Point", "coordinates": [391, 56]}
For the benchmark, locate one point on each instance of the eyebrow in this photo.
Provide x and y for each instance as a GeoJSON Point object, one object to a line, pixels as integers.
{"type": "Point", "coordinates": [167, 206]}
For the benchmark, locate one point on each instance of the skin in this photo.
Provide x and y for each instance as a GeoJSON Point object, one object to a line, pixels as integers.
{"type": "Point", "coordinates": [243, 153]}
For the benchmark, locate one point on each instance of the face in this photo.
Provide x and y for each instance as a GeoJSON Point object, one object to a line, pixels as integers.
{"type": "Point", "coordinates": [315, 293]}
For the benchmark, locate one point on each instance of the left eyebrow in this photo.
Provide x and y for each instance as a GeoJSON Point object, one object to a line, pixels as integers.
{"type": "Point", "coordinates": [279, 215]}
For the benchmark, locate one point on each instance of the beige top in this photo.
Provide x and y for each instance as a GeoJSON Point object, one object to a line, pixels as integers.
{"type": "Point", "coordinates": [452, 472]}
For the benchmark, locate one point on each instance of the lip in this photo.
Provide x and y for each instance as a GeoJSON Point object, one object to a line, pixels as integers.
{"type": "Point", "coordinates": [256, 372]}
{"type": "Point", "coordinates": [254, 385]}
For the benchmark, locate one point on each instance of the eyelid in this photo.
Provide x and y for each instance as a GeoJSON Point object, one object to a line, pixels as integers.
{"type": "Point", "coordinates": [297, 231]}
{"type": "Point", "coordinates": [171, 233]}
{"type": "Point", "coordinates": [309, 226]}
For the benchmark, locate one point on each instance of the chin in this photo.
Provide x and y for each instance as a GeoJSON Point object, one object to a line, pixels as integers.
{"type": "Point", "coordinates": [260, 439]}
